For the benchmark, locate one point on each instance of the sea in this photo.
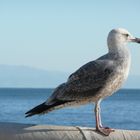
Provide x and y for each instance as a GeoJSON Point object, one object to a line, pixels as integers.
{"type": "Point", "coordinates": [121, 110]}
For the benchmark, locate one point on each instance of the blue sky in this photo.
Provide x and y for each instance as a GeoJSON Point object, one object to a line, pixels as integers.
{"type": "Point", "coordinates": [63, 34]}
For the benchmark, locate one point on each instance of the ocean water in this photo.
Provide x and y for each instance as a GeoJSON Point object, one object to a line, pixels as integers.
{"type": "Point", "coordinates": [122, 110]}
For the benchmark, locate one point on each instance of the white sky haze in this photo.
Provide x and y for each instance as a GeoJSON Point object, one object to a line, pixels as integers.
{"type": "Point", "coordinates": [64, 34]}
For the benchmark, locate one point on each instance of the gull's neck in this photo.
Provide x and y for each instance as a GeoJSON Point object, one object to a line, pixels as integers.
{"type": "Point", "coordinates": [120, 51]}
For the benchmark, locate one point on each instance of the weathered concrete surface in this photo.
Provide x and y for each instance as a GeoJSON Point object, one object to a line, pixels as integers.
{"type": "Point", "coordinates": [14, 131]}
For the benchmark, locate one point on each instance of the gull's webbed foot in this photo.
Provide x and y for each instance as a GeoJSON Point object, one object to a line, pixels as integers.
{"type": "Point", "coordinates": [105, 130]}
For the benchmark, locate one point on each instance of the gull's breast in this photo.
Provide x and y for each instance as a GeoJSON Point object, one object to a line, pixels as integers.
{"type": "Point", "coordinates": [120, 75]}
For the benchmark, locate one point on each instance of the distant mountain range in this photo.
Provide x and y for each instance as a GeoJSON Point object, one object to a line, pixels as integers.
{"type": "Point", "coordinates": [24, 76]}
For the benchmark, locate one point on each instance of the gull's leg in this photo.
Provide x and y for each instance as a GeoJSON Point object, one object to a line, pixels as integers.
{"type": "Point", "coordinates": [104, 130]}
{"type": "Point", "coordinates": [97, 114]}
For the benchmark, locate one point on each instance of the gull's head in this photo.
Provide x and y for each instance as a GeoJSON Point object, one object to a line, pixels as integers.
{"type": "Point", "coordinates": [118, 38]}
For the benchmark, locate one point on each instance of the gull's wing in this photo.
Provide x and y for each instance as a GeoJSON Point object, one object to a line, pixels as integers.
{"type": "Point", "coordinates": [85, 82]}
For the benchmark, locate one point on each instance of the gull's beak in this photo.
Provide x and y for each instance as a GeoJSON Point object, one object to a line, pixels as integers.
{"type": "Point", "coordinates": [137, 40]}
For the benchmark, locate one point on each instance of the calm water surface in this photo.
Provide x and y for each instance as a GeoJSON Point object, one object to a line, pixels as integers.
{"type": "Point", "coordinates": [122, 110]}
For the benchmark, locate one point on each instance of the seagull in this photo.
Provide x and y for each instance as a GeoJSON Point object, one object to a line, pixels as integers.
{"type": "Point", "coordinates": [95, 80]}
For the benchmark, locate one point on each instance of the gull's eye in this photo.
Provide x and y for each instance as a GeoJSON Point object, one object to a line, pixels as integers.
{"type": "Point", "coordinates": [126, 35]}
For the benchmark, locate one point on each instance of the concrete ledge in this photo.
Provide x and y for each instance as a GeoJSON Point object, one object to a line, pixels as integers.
{"type": "Point", "coordinates": [15, 131]}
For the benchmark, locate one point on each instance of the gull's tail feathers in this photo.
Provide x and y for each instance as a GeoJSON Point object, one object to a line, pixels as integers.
{"type": "Point", "coordinates": [45, 108]}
